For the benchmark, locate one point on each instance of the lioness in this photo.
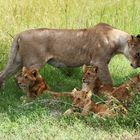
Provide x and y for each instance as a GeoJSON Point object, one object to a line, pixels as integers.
{"type": "Point", "coordinates": [92, 82]}
{"type": "Point", "coordinates": [72, 48]}
{"type": "Point", "coordinates": [33, 84]}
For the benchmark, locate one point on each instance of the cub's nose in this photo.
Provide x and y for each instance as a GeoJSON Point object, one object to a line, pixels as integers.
{"type": "Point", "coordinates": [83, 79]}
{"type": "Point", "coordinates": [19, 83]}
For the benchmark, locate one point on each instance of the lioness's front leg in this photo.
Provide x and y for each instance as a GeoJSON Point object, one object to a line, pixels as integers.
{"type": "Point", "coordinates": [104, 74]}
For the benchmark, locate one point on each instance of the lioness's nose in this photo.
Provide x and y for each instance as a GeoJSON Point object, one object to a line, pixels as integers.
{"type": "Point", "coordinates": [134, 66]}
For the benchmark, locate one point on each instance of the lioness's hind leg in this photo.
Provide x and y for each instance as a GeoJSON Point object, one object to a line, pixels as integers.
{"type": "Point", "coordinates": [14, 62]}
{"type": "Point", "coordinates": [9, 70]}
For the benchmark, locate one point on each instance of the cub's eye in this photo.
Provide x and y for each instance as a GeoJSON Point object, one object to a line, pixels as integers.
{"type": "Point", "coordinates": [88, 73]}
{"type": "Point", "coordinates": [138, 54]}
{"type": "Point", "coordinates": [78, 99]}
{"type": "Point", "coordinates": [25, 77]}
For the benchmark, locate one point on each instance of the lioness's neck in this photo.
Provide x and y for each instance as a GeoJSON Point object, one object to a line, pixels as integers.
{"type": "Point", "coordinates": [122, 43]}
{"type": "Point", "coordinates": [120, 39]}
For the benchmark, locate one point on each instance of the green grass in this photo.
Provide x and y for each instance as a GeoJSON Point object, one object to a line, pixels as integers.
{"type": "Point", "coordinates": [38, 120]}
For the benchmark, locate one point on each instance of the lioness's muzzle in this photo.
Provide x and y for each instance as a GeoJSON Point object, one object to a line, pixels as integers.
{"type": "Point", "coordinates": [134, 66]}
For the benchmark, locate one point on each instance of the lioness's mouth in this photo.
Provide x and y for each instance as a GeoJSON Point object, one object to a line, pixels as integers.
{"type": "Point", "coordinates": [134, 66]}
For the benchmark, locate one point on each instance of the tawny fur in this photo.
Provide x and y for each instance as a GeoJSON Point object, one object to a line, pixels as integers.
{"type": "Point", "coordinates": [31, 82]}
{"type": "Point", "coordinates": [72, 48]}
{"type": "Point", "coordinates": [92, 82]}
{"type": "Point", "coordinates": [34, 84]}
{"type": "Point", "coordinates": [83, 101]}
{"type": "Point", "coordinates": [128, 89]}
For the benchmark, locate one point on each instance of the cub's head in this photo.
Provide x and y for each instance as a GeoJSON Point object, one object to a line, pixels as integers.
{"type": "Point", "coordinates": [81, 98]}
{"type": "Point", "coordinates": [27, 78]}
{"type": "Point", "coordinates": [90, 74]}
{"type": "Point", "coordinates": [134, 51]}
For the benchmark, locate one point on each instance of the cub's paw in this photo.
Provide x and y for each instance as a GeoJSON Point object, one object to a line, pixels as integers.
{"type": "Point", "coordinates": [25, 99]}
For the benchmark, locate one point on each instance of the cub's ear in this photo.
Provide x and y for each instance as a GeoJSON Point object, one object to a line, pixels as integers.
{"type": "Point", "coordinates": [94, 68]}
{"type": "Point", "coordinates": [24, 69]}
{"type": "Point", "coordinates": [73, 92]}
{"type": "Point", "coordinates": [89, 94]}
{"type": "Point", "coordinates": [84, 68]}
{"type": "Point", "coordinates": [35, 72]}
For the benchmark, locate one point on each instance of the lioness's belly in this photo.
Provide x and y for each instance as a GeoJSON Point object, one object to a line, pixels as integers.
{"type": "Point", "coordinates": [59, 64]}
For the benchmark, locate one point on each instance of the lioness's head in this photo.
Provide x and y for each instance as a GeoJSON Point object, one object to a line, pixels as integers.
{"type": "Point", "coordinates": [81, 98]}
{"type": "Point", "coordinates": [27, 77]}
{"type": "Point", "coordinates": [134, 51]}
{"type": "Point", "coordinates": [90, 74]}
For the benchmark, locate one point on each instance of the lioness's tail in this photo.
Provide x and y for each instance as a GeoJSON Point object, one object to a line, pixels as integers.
{"type": "Point", "coordinates": [13, 51]}
{"type": "Point", "coordinates": [13, 61]}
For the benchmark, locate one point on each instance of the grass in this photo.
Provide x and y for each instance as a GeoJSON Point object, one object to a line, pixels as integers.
{"type": "Point", "coordinates": [38, 120]}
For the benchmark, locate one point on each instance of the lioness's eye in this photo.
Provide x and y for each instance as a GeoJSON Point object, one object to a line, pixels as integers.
{"type": "Point", "coordinates": [88, 73]}
{"type": "Point", "coordinates": [138, 54]}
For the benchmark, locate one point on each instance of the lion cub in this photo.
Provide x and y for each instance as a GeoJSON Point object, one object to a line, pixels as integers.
{"type": "Point", "coordinates": [92, 82]}
{"type": "Point", "coordinates": [31, 82]}
{"type": "Point", "coordinates": [127, 90]}
{"type": "Point", "coordinates": [82, 101]}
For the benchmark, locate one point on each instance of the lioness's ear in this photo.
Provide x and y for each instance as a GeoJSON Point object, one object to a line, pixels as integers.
{"type": "Point", "coordinates": [84, 68]}
{"type": "Point", "coordinates": [138, 36]}
{"type": "Point", "coordinates": [132, 40]}
{"type": "Point", "coordinates": [89, 94]}
{"type": "Point", "coordinates": [24, 69]}
{"type": "Point", "coordinates": [35, 72]}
